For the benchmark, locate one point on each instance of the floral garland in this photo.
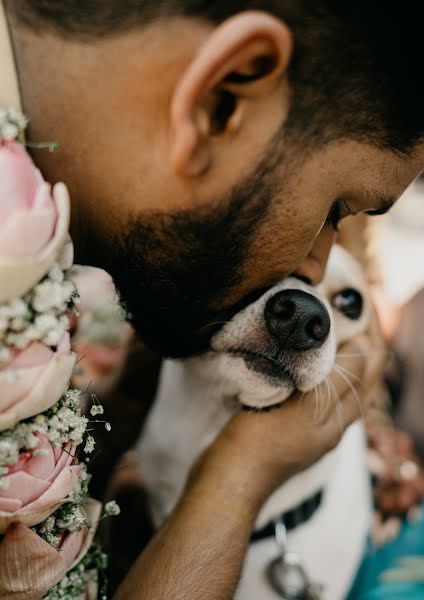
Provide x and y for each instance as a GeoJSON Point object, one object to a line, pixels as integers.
{"type": "Point", "coordinates": [45, 510]}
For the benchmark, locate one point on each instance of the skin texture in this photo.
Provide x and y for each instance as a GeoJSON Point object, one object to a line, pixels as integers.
{"type": "Point", "coordinates": [186, 188]}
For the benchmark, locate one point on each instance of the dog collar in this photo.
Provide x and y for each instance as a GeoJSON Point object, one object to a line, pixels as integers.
{"type": "Point", "coordinates": [10, 96]}
{"type": "Point", "coordinates": [292, 518]}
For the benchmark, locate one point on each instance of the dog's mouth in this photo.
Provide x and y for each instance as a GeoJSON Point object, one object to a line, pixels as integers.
{"type": "Point", "coordinates": [271, 368]}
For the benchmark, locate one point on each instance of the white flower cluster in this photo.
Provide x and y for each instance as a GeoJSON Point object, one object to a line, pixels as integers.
{"type": "Point", "coordinates": [80, 491]}
{"type": "Point", "coordinates": [12, 124]}
{"type": "Point", "coordinates": [74, 585]}
{"type": "Point", "coordinates": [41, 315]}
{"type": "Point", "coordinates": [69, 519]}
{"type": "Point", "coordinates": [61, 424]}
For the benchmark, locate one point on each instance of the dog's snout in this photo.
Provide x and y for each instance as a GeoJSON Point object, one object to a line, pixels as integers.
{"type": "Point", "coordinates": [297, 320]}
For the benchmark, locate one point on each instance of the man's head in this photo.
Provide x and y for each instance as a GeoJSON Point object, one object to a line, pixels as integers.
{"type": "Point", "coordinates": [211, 151]}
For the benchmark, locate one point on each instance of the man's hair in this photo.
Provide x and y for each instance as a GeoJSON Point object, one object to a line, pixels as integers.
{"type": "Point", "coordinates": [353, 71]}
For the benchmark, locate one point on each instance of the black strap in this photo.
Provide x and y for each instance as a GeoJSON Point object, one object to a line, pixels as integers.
{"type": "Point", "coordinates": [291, 519]}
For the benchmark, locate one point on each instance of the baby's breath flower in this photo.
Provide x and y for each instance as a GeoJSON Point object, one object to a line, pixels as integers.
{"type": "Point", "coordinates": [53, 540]}
{"type": "Point", "coordinates": [89, 444]}
{"type": "Point", "coordinates": [72, 521]}
{"type": "Point", "coordinates": [40, 315]}
{"type": "Point", "coordinates": [9, 132]}
{"type": "Point", "coordinates": [73, 586]}
{"type": "Point", "coordinates": [80, 491]}
{"type": "Point", "coordinates": [108, 426]}
{"type": "Point", "coordinates": [48, 525]}
{"type": "Point", "coordinates": [61, 424]}
{"type": "Point", "coordinates": [112, 508]}
{"type": "Point", "coordinates": [12, 124]}
{"type": "Point", "coordinates": [9, 451]}
{"type": "Point", "coordinates": [96, 409]}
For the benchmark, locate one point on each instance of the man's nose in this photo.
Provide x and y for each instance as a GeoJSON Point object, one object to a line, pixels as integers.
{"type": "Point", "coordinates": [313, 266]}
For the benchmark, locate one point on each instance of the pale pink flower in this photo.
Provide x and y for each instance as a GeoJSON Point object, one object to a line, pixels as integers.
{"type": "Point", "coordinates": [30, 567]}
{"type": "Point", "coordinates": [27, 211]}
{"type": "Point", "coordinates": [38, 484]}
{"type": "Point", "coordinates": [34, 380]}
{"type": "Point", "coordinates": [33, 222]}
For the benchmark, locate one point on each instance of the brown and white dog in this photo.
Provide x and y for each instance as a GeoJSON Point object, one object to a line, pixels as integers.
{"type": "Point", "coordinates": [286, 340]}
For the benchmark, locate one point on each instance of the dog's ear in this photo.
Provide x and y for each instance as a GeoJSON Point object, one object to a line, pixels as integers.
{"type": "Point", "coordinates": [235, 76]}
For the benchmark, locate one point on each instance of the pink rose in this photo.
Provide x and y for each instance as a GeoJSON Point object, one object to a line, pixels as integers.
{"type": "Point", "coordinates": [33, 222]}
{"type": "Point", "coordinates": [34, 380]}
{"type": "Point", "coordinates": [95, 287]}
{"type": "Point", "coordinates": [30, 567]}
{"type": "Point", "coordinates": [101, 335]}
{"type": "Point", "coordinates": [38, 484]}
{"type": "Point", "coordinates": [27, 210]}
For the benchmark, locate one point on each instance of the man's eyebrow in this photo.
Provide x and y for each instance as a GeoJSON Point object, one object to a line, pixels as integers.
{"type": "Point", "coordinates": [385, 204]}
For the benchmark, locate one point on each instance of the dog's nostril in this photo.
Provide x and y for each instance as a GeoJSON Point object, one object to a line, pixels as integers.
{"type": "Point", "coordinates": [315, 328]}
{"type": "Point", "coordinates": [284, 309]}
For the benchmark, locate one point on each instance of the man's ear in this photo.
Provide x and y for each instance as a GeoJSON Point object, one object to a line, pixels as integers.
{"type": "Point", "coordinates": [243, 59]}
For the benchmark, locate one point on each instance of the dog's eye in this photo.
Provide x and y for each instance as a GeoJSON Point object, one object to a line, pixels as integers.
{"type": "Point", "coordinates": [349, 302]}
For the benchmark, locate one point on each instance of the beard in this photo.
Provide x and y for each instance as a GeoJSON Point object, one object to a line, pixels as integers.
{"type": "Point", "coordinates": [175, 271]}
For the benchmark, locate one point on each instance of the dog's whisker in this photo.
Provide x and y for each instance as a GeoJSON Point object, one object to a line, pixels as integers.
{"type": "Point", "coordinates": [327, 384]}
{"type": "Point", "coordinates": [338, 406]}
{"type": "Point", "coordinates": [339, 369]}
{"type": "Point", "coordinates": [323, 402]}
{"type": "Point", "coordinates": [351, 387]}
{"type": "Point", "coordinates": [316, 407]}
{"type": "Point", "coordinates": [318, 402]}
{"type": "Point", "coordinates": [355, 354]}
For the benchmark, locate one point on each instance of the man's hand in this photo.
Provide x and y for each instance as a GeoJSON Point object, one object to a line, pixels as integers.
{"type": "Point", "coordinates": [261, 450]}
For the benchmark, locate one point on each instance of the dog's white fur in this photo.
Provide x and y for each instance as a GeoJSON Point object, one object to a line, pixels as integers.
{"type": "Point", "coordinates": [198, 396]}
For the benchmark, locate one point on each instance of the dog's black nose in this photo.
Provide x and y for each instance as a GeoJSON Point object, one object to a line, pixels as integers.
{"type": "Point", "coordinates": [297, 320]}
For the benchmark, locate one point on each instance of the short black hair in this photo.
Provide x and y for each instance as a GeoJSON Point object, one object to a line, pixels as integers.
{"type": "Point", "coordinates": [354, 71]}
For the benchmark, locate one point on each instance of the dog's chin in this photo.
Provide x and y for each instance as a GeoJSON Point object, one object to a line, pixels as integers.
{"type": "Point", "coordinates": [263, 382]}
{"type": "Point", "coordinates": [256, 380]}
{"type": "Point", "coordinates": [270, 370]}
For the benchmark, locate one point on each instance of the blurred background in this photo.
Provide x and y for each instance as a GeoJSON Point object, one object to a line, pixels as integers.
{"type": "Point", "coordinates": [396, 263]}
